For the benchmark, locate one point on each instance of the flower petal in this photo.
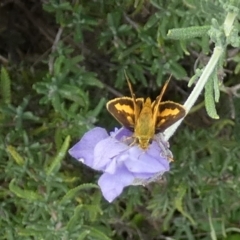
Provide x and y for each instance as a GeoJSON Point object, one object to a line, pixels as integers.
{"type": "Point", "coordinates": [155, 151]}
{"type": "Point", "coordinates": [111, 166]}
{"type": "Point", "coordinates": [122, 132]}
{"type": "Point", "coordinates": [112, 184]}
{"type": "Point", "coordinates": [142, 162]}
{"type": "Point", "coordinates": [83, 150]}
{"type": "Point", "coordinates": [105, 151]}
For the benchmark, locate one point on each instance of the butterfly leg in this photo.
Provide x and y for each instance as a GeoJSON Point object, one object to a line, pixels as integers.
{"type": "Point", "coordinates": [164, 146]}
{"type": "Point", "coordinates": [130, 141]}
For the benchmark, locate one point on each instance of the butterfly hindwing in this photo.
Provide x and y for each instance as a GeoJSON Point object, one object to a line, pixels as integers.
{"type": "Point", "coordinates": [168, 113]}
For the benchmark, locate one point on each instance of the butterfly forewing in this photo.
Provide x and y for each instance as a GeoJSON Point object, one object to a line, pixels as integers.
{"type": "Point", "coordinates": [168, 113]}
{"type": "Point", "coordinates": [123, 110]}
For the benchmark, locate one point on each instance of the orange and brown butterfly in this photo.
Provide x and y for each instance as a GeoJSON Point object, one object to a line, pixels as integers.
{"type": "Point", "coordinates": [144, 117]}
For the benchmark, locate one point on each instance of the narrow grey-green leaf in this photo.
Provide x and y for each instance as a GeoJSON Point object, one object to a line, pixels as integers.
{"type": "Point", "coordinates": [178, 202]}
{"type": "Point", "coordinates": [216, 87]}
{"type": "Point", "coordinates": [83, 234]}
{"type": "Point", "coordinates": [15, 155]}
{"type": "Point", "coordinates": [23, 193]}
{"type": "Point", "coordinates": [55, 165]}
{"type": "Point", "coordinates": [195, 77]}
{"type": "Point", "coordinates": [74, 219]}
{"type": "Point", "coordinates": [58, 64]}
{"type": "Point", "coordinates": [212, 232]}
{"type": "Point", "coordinates": [96, 234]}
{"type": "Point", "coordinates": [5, 86]}
{"type": "Point", "coordinates": [98, 108]}
{"type": "Point", "coordinates": [151, 21]}
{"type": "Point", "coordinates": [187, 33]}
{"type": "Point", "coordinates": [209, 99]}
{"type": "Point", "coordinates": [71, 193]}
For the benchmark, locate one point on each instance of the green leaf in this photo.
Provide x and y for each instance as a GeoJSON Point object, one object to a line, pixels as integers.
{"type": "Point", "coordinates": [83, 234]}
{"type": "Point", "coordinates": [56, 163]}
{"type": "Point", "coordinates": [95, 233]}
{"type": "Point", "coordinates": [72, 193]}
{"type": "Point", "coordinates": [177, 70]}
{"type": "Point", "coordinates": [159, 78]}
{"type": "Point", "coordinates": [125, 53]}
{"type": "Point", "coordinates": [73, 93]}
{"type": "Point", "coordinates": [95, 112]}
{"type": "Point", "coordinates": [184, 47]}
{"type": "Point", "coordinates": [58, 64]}
{"type": "Point", "coordinates": [113, 20]}
{"type": "Point", "coordinates": [93, 211]}
{"type": "Point", "coordinates": [167, 219]}
{"type": "Point", "coordinates": [212, 232]}
{"type": "Point", "coordinates": [56, 102]}
{"type": "Point", "coordinates": [151, 21]}
{"type": "Point", "coordinates": [5, 86]}
{"type": "Point", "coordinates": [15, 155]}
{"type": "Point", "coordinates": [178, 201]}
{"type": "Point", "coordinates": [194, 78]}
{"type": "Point", "coordinates": [9, 234]}
{"type": "Point", "coordinates": [90, 78]}
{"type": "Point", "coordinates": [58, 138]}
{"type": "Point", "coordinates": [75, 217]}
{"type": "Point", "coordinates": [22, 193]}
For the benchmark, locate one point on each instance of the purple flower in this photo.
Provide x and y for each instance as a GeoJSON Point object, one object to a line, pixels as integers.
{"type": "Point", "coordinates": [122, 165]}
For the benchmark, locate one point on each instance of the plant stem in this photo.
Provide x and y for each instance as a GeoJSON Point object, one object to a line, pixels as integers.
{"type": "Point", "coordinates": [228, 23]}
{"type": "Point", "coordinates": [217, 53]}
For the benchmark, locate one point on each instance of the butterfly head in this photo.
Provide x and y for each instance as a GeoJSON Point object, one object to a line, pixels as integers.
{"type": "Point", "coordinates": [144, 142]}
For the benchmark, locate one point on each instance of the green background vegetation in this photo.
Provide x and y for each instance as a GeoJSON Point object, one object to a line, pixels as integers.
{"type": "Point", "coordinates": [60, 63]}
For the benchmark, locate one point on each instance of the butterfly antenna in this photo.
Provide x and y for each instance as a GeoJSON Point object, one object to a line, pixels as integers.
{"type": "Point", "coordinates": [130, 86]}
{"type": "Point", "coordinates": [136, 108]}
{"type": "Point", "coordinates": [159, 99]}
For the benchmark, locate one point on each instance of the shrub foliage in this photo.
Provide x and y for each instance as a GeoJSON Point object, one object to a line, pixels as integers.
{"type": "Point", "coordinates": [61, 61]}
